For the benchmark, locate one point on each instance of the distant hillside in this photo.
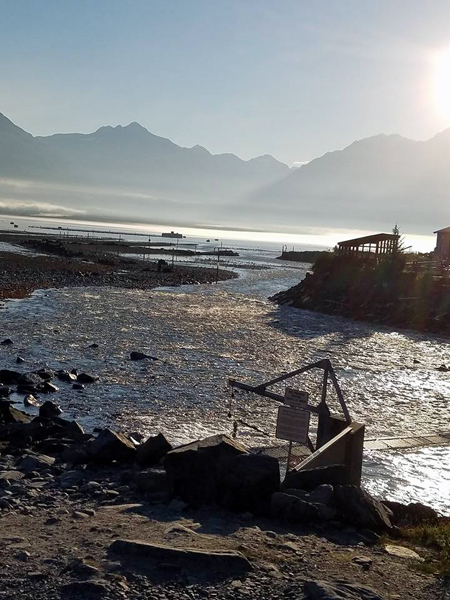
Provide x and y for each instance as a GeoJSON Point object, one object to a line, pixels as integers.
{"type": "Point", "coordinates": [370, 185]}
{"type": "Point", "coordinates": [130, 173]}
{"type": "Point", "coordinates": [133, 163]}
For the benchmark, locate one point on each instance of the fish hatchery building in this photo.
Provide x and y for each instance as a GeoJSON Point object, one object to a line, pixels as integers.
{"type": "Point", "coordinates": [370, 247]}
{"type": "Point", "coordinates": [442, 250]}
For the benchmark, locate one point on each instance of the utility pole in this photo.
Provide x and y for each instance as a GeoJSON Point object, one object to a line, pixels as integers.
{"type": "Point", "coordinates": [218, 263]}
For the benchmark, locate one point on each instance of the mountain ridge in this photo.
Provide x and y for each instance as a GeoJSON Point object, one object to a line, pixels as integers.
{"type": "Point", "coordinates": [127, 170]}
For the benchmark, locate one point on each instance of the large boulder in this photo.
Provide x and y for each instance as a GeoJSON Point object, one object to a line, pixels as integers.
{"type": "Point", "coordinates": [338, 590]}
{"type": "Point", "coordinates": [9, 414]}
{"type": "Point", "coordinates": [141, 356]}
{"type": "Point", "coordinates": [109, 446]}
{"type": "Point", "coordinates": [360, 509]}
{"type": "Point", "coordinates": [229, 562]}
{"type": "Point", "coordinates": [49, 410]}
{"type": "Point", "coordinates": [7, 376]}
{"type": "Point", "coordinates": [310, 479]}
{"type": "Point", "coordinates": [293, 509]}
{"type": "Point", "coordinates": [29, 379]}
{"type": "Point", "coordinates": [411, 514]}
{"type": "Point", "coordinates": [86, 378]}
{"type": "Point", "coordinates": [36, 462]}
{"type": "Point", "coordinates": [250, 481]}
{"type": "Point", "coordinates": [196, 470]}
{"type": "Point", "coordinates": [153, 450]}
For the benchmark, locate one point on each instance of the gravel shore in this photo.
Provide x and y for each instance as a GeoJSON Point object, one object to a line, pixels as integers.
{"type": "Point", "coordinates": [20, 275]}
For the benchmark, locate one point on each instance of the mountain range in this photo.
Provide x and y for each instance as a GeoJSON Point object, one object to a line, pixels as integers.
{"type": "Point", "coordinates": [128, 173]}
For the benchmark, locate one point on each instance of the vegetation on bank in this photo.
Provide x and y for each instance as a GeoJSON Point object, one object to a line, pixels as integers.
{"type": "Point", "coordinates": [305, 256]}
{"type": "Point", "coordinates": [407, 290]}
{"type": "Point", "coordinates": [435, 537]}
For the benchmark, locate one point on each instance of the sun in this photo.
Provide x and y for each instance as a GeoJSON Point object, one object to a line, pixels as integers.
{"type": "Point", "coordinates": [441, 83]}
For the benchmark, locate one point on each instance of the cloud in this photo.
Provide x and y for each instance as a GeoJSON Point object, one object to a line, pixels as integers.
{"type": "Point", "coordinates": [299, 163]}
{"type": "Point", "coordinates": [37, 209]}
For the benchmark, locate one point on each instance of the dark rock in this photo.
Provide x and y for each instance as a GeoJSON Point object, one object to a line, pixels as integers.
{"type": "Point", "coordinates": [9, 414]}
{"type": "Point", "coordinates": [196, 470]}
{"type": "Point", "coordinates": [302, 494]}
{"type": "Point", "coordinates": [80, 568]}
{"type": "Point", "coordinates": [28, 389]}
{"type": "Point", "coordinates": [71, 479]}
{"type": "Point", "coordinates": [20, 360]}
{"type": "Point", "coordinates": [48, 388]}
{"type": "Point", "coordinates": [292, 509]}
{"type": "Point", "coordinates": [223, 561]}
{"type": "Point", "coordinates": [151, 481]}
{"type": "Point", "coordinates": [141, 356]}
{"type": "Point", "coordinates": [250, 481]}
{"type": "Point", "coordinates": [310, 479]}
{"type": "Point", "coordinates": [92, 588]}
{"type": "Point", "coordinates": [21, 434]}
{"type": "Point", "coordinates": [359, 509]}
{"type": "Point", "coordinates": [86, 378]}
{"type": "Point", "coordinates": [7, 376]}
{"type": "Point", "coordinates": [35, 462]}
{"type": "Point", "coordinates": [410, 514]}
{"type": "Point", "coordinates": [7, 342]}
{"type": "Point", "coordinates": [78, 386]}
{"type": "Point", "coordinates": [5, 391]}
{"type": "Point", "coordinates": [70, 429]}
{"type": "Point", "coordinates": [94, 346]}
{"type": "Point", "coordinates": [324, 494]}
{"type": "Point", "coordinates": [45, 374]}
{"type": "Point", "coordinates": [49, 410]}
{"type": "Point", "coordinates": [153, 450]}
{"type": "Point", "coordinates": [338, 590]}
{"type": "Point", "coordinates": [29, 379]}
{"type": "Point", "coordinates": [110, 445]}
{"type": "Point", "coordinates": [53, 446]}
{"type": "Point", "coordinates": [66, 376]}
{"type": "Point", "coordinates": [443, 368]}
{"type": "Point", "coordinates": [74, 455]}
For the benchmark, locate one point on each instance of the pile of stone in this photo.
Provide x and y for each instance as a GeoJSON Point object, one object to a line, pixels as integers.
{"type": "Point", "coordinates": [217, 471]}
{"type": "Point", "coordinates": [40, 381]}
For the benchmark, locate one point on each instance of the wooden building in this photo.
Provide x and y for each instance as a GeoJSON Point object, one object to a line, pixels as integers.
{"type": "Point", "coordinates": [373, 247]}
{"type": "Point", "coordinates": [442, 250]}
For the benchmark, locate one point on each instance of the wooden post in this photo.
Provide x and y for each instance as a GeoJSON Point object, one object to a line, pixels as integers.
{"type": "Point", "coordinates": [218, 262]}
{"type": "Point", "coordinates": [288, 464]}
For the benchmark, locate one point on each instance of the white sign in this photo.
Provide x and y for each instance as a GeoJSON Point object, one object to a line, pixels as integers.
{"type": "Point", "coordinates": [295, 398]}
{"type": "Point", "coordinates": [292, 424]}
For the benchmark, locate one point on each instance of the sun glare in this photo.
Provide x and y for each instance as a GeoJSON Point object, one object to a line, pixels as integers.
{"type": "Point", "coordinates": [442, 83]}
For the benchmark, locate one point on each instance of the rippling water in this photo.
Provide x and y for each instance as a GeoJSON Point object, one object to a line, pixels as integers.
{"type": "Point", "coordinates": [205, 334]}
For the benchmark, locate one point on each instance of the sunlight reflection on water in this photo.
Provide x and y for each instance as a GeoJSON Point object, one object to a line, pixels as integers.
{"type": "Point", "coordinates": [205, 334]}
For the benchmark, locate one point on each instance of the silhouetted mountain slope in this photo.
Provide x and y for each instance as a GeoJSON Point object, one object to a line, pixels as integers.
{"type": "Point", "coordinates": [371, 183]}
{"type": "Point", "coordinates": [128, 172]}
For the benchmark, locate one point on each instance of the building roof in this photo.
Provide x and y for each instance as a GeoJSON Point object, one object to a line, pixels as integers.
{"type": "Point", "coordinates": [445, 230]}
{"type": "Point", "coordinates": [369, 239]}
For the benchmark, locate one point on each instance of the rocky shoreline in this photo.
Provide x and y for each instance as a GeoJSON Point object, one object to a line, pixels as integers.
{"type": "Point", "coordinates": [106, 514]}
{"type": "Point", "coordinates": [389, 293]}
{"type": "Point", "coordinates": [20, 274]}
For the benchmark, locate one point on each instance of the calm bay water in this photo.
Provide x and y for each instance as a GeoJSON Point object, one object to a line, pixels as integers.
{"type": "Point", "coordinates": [205, 334]}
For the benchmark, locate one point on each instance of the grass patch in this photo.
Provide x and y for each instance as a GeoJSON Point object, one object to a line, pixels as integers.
{"type": "Point", "coordinates": [436, 537]}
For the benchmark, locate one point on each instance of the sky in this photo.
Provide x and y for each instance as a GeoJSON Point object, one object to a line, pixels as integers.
{"type": "Point", "coordinates": [291, 78]}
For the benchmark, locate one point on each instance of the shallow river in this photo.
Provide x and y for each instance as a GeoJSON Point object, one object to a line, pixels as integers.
{"type": "Point", "coordinates": [204, 334]}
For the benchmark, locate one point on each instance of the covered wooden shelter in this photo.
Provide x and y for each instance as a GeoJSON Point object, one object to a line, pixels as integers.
{"type": "Point", "coordinates": [442, 250]}
{"type": "Point", "coordinates": [370, 246]}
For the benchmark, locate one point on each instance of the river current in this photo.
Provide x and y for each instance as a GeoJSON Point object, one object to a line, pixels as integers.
{"type": "Point", "coordinates": [202, 335]}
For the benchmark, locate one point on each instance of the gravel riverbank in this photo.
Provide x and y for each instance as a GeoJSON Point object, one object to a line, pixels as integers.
{"type": "Point", "coordinates": [21, 274]}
